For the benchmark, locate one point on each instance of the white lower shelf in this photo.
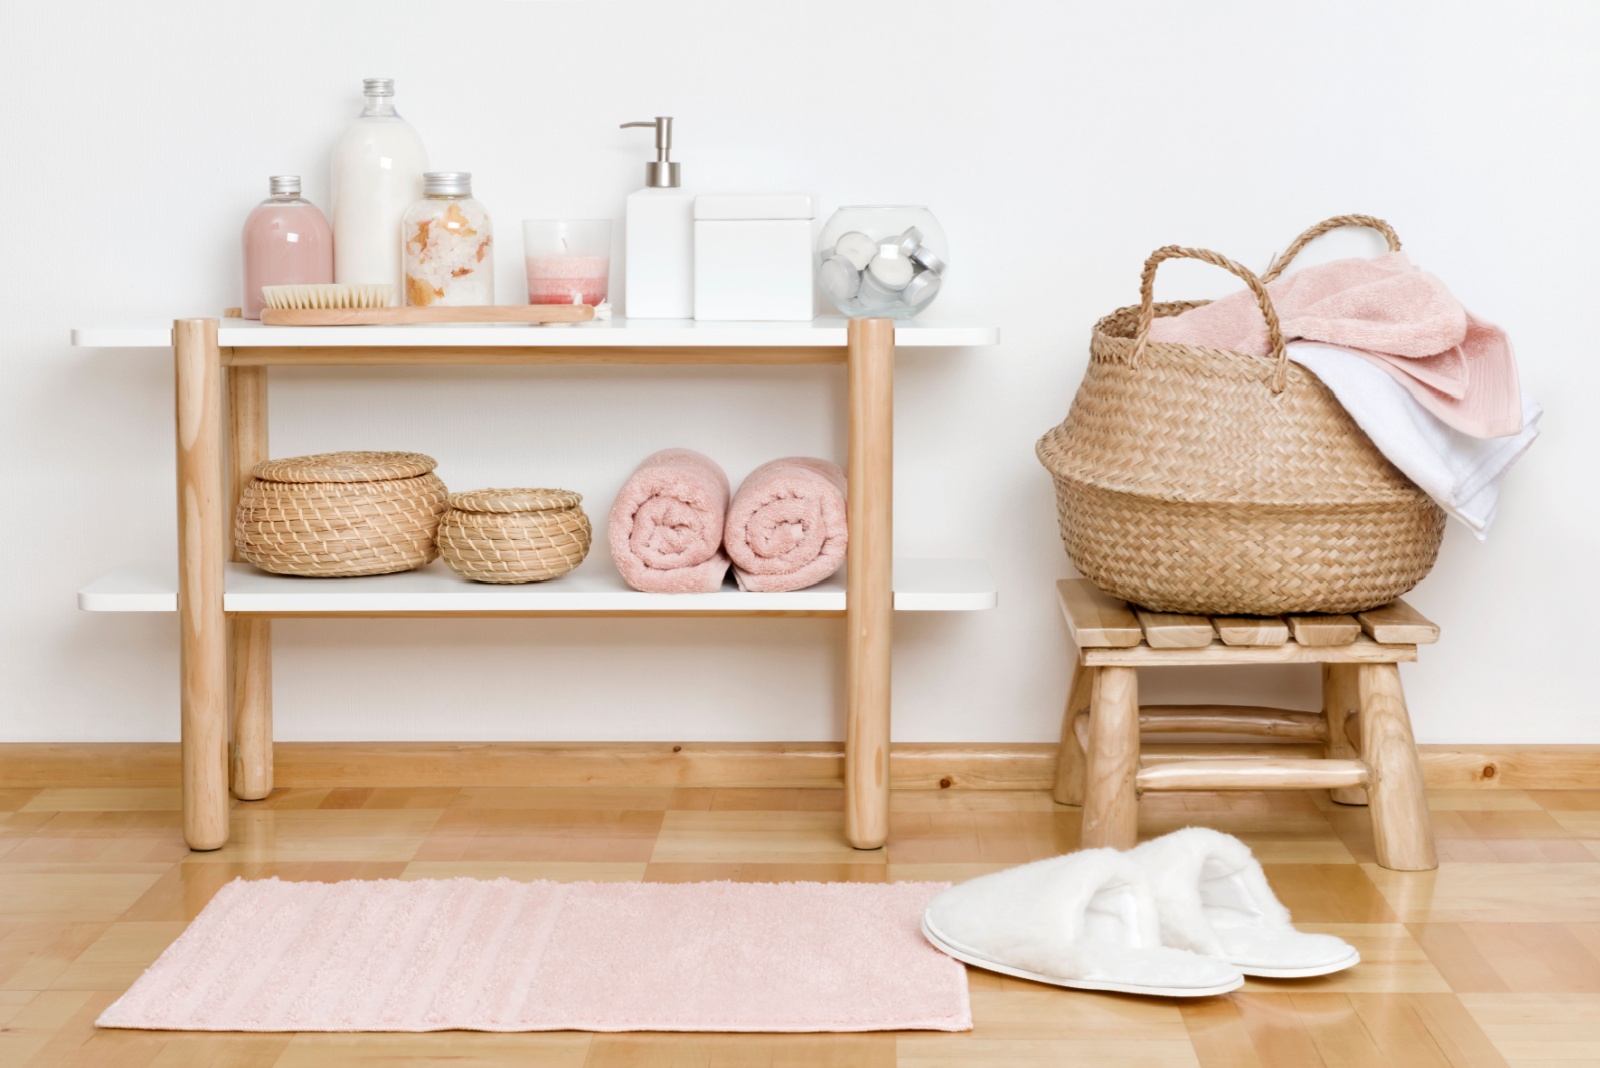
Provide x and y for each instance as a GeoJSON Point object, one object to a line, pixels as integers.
{"type": "Point", "coordinates": [919, 586]}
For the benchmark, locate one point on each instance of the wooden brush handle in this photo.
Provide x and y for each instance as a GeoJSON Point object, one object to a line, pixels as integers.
{"type": "Point", "coordinates": [502, 313]}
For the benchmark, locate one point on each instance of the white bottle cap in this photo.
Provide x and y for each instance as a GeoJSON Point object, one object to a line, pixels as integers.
{"type": "Point", "coordinates": [856, 247]}
{"type": "Point", "coordinates": [839, 278]}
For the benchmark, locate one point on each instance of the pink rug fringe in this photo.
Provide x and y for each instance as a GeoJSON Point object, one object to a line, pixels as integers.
{"type": "Point", "coordinates": [468, 954]}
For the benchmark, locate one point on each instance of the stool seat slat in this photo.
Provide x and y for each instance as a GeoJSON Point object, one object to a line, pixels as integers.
{"type": "Point", "coordinates": [1096, 619]}
{"type": "Point", "coordinates": [1399, 622]}
{"type": "Point", "coordinates": [1251, 630]}
{"type": "Point", "coordinates": [1324, 630]}
{"type": "Point", "coordinates": [1170, 630]}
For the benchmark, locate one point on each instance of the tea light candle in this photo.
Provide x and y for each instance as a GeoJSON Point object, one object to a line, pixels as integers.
{"type": "Point", "coordinates": [857, 248]}
{"type": "Point", "coordinates": [889, 268]}
{"type": "Point", "coordinates": [839, 278]}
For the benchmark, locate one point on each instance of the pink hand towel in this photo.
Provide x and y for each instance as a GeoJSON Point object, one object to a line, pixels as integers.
{"type": "Point", "coordinates": [1478, 409]}
{"type": "Point", "coordinates": [786, 526]}
{"type": "Point", "coordinates": [1400, 318]}
{"type": "Point", "coordinates": [666, 524]}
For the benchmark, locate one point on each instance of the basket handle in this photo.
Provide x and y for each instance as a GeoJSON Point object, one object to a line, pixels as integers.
{"type": "Point", "coordinates": [1282, 261]}
{"type": "Point", "coordinates": [1141, 335]}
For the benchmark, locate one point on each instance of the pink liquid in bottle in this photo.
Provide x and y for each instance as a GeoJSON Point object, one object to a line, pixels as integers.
{"type": "Point", "coordinates": [287, 241]}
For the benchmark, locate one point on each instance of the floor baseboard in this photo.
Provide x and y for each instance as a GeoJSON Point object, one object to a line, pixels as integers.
{"type": "Point", "coordinates": [913, 766]}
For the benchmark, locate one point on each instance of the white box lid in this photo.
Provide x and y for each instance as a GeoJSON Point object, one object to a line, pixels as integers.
{"type": "Point", "coordinates": [755, 206]}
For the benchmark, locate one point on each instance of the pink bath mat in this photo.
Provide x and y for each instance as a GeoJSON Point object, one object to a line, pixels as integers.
{"type": "Point", "coordinates": [471, 954]}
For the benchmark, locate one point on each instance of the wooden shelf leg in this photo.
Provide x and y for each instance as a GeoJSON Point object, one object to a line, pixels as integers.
{"type": "Point", "coordinates": [250, 655]}
{"type": "Point", "coordinates": [1110, 800]}
{"type": "Point", "coordinates": [869, 596]}
{"type": "Point", "coordinates": [1071, 762]}
{"type": "Point", "coordinates": [1341, 701]}
{"type": "Point", "coordinates": [249, 640]}
{"type": "Point", "coordinates": [202, 552]}
{"type": "Point", "coordinates": [1402, 830]}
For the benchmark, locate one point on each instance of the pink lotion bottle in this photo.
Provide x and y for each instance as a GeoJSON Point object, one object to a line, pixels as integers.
{"type": "Point", "coordinates": [287, 241]}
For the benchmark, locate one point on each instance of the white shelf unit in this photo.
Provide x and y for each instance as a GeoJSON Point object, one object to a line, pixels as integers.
{"type": "Point", "coordinates": [225, 610]}
{"type": "Point", "coordinates": [594, 589]}
{"type": "Point", "coordinates": [631, 334]}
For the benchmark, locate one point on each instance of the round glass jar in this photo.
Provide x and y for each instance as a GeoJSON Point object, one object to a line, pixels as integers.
{"type": "Point", "coordinates": [449, 244]}
{"type": "Point", "coordinates": [882, 261]}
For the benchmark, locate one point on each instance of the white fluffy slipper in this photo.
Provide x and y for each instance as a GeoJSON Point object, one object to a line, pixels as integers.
{"type": "Point", "coordinates": [1085, 920]}
{"type": "Point", "coordinates": [1213, 898]}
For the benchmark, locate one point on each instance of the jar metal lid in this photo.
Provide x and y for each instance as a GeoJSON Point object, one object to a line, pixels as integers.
{"type": "Point", "coordinates": [285, 185]}
{"type": "Point", "coordinates": [377, 86]}
{"type": "Point", "coordinates": [447, 183]}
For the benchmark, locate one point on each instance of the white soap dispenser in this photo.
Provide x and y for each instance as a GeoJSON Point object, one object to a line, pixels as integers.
{"type": "Point", "coordinates": [659, 264]}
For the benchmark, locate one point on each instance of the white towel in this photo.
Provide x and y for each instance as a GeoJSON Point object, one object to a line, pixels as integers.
{"type": "Point", "coordinates": [1462, 473]}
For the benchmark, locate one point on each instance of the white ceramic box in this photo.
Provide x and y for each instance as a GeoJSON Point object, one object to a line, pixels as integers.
{"type": "Point", "coordinates": [753, 257]}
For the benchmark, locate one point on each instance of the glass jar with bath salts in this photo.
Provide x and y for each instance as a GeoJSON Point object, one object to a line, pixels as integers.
{"type": "Point", "coordinates": [449, 244]}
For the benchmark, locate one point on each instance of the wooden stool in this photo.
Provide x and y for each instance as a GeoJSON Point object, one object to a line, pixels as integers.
{"type": "Point", "coordinates": [1363, 730]}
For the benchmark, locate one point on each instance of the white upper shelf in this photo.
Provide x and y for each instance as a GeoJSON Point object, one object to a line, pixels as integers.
{"type": "Point", "coordinates": [595, 587]}
{"type": "Point", "coordinates": [618, 332]}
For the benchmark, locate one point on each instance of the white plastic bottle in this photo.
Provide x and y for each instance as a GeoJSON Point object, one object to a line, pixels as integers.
{"type": "Point", "coordinates": [659, 268]}
{"type": "Point", "coordinates": [377, 174]}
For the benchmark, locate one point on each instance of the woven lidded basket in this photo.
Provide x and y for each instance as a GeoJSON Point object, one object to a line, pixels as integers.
{"type": "Point", "coordinates": [1192, 479]}
{"type": "Point", "coordinates": [338, 514]}
{"type": "Point", "coordinates": [514, 535]}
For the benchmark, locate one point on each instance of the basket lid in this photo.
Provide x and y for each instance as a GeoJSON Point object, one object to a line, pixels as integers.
{"type": "Point", "coordinates": [345, 467]}
{"type": "Point", "coordinates": [515, 500]}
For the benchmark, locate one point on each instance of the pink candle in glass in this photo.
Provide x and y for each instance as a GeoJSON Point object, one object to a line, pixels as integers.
{"type": "Point", "coordinates": [568, 279]}
{"type": "Point", "coordinates": [568, 260]}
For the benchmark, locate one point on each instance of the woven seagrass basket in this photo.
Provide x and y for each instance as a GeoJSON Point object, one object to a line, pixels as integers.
{"type": "Point", "coordinates": [338, 514]}
{"type": "Point", "coordinates": [1208, 481]}
{"type": "Point", "coordinates": [514, 535]}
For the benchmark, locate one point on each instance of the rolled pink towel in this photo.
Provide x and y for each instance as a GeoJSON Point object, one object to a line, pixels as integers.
{"type": "Point", "coordinates": [786, 526]}
{"type": "Point", "coordinates": [666, 524]}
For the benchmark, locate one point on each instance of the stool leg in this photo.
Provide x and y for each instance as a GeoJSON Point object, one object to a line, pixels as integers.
{"type": "Point", "coordinates": [1401, 828]}
{"type": "Point", "coordinates": [1110, 800]}
{"type": "Point", "coordinates": [1341, 701]}
{"type": "Point", "coordinates": [1071, 761]}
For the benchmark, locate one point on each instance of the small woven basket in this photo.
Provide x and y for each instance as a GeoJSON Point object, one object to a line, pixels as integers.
{"type": "Point", "coordinates": [1208, 481]}
{"type": "Point", "coordinates": [514, 535]}
{"type": "Point", "coordinates": [339, 514]}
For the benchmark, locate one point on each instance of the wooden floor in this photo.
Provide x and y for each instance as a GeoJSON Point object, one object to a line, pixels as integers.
{"type": "Point", "coordinates": [1492, 960]}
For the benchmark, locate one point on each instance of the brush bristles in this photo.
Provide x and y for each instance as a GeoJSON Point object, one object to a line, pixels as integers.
{"type": "Point", "coordinates": [328, 296]}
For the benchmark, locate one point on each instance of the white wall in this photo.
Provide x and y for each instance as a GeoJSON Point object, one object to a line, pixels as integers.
{"type": "Point", "coordinates": [1058, 143]}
